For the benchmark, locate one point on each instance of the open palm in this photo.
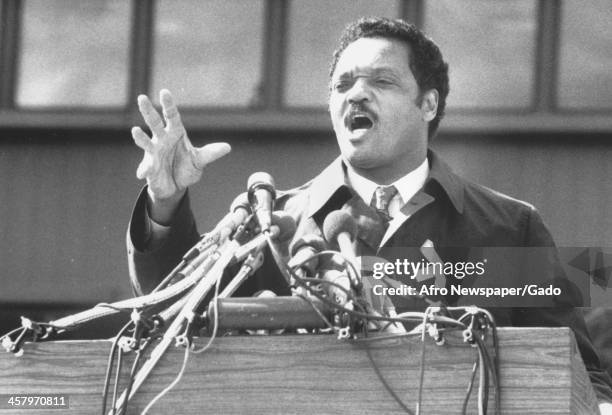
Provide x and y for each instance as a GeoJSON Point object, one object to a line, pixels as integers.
{"type": "Point", "coordinates": [170, 163]}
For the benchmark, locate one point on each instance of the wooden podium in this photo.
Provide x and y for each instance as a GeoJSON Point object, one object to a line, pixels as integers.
{"type": "Point", "coordinates": [541, 372]}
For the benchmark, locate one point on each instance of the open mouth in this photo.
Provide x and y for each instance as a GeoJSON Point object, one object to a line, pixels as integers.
{"type": "Point", "coordinates": [359, 121]}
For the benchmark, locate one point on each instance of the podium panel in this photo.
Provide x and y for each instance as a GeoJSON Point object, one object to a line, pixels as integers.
{"type": "Point", "coordinates": [541, 372]}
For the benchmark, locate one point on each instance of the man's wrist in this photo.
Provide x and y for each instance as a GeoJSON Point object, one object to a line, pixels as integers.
{"type": "Point", "coordinates": [162, 210]}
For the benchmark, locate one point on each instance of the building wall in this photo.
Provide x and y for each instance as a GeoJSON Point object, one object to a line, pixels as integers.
{"type": "Point", "coordinates": [65, 197]}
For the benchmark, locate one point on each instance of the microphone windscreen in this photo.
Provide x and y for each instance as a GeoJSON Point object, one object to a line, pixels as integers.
{"type": "Point", "coordinates": [241, 202]}
{"type": "Point", "coordinates": [338, 222]}
{"type": "Point", "coordinates": [285, 223]}
{"type": "Point", "coordinates": [260, 180]}
{"type": "Point", "coordinates": [317, 243]}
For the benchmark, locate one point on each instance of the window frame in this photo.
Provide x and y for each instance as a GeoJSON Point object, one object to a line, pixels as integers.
{"type": "Point", "coordinates": [271, 115]}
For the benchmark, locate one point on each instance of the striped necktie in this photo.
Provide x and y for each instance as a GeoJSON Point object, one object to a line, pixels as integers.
{"type": "Point", "coordinates": [381, 199]}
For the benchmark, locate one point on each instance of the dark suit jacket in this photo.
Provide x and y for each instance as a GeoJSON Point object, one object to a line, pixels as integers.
{"type": "Point", "coordinates": [457, 216]}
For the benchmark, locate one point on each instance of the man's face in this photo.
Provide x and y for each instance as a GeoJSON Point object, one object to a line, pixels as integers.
{"type": "Point", "coordinates": [380, 128]}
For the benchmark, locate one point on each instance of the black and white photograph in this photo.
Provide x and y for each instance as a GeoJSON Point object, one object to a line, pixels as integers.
{"type": "Point", "coordinates": [306, 207]}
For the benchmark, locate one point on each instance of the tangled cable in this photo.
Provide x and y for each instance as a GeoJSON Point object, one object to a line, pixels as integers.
{"type": "Point", "coordinates": [475, 323]}
{"type": "Point", "coordinates": [354, 315]}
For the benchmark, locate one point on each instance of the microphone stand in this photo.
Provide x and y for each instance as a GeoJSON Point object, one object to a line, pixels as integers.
{"type": "Point", "coordinates": [203, 261]}
{"type": "Point", "coordinates": [224, 256]}
{"type": "Point", "coordinates": [253, 262]}
{"type": "Point", "coordinates": [43, 331]}
{"type": "Point", "coordinates": [198, 255]}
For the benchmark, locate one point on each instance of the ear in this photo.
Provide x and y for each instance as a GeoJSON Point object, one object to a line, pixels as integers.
{"type": "Point", "coordinates": [429, 105]}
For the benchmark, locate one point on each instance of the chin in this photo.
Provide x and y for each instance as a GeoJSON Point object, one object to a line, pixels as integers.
{"type": "Point", "coordinates": [359, 160]}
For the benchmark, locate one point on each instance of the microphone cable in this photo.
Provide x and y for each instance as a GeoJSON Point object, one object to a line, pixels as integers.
{"type": "Point", "coordinates": [407, 317]}
{"type": "Point", "coordinates": [109, 368]}
{"type": "Point", "coordinates": [170, 386]}
{"type": "Point", "coordinates": [213, 335]}
{"type": "Point", "coordinates": [185, 339]}
{"type": "Point", "coordinates": [187, 342]}
{"type": "Point", "coordinates": [427, 318]}
{"type": "Point", "coordinates": [485, 364]}
{"type": "Point", "coordinates": [135, 366]}
{"type": "Point", "coordinates": [470, 385]}
{"type": "Point", "coordinates": [481, 323]}
{"type": "Point", "coordinates": [134, 343]}
{"type": "Point", "coordinates": [386, 385]}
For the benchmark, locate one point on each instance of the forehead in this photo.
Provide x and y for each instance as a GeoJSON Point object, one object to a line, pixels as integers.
{"type": "Point", "coordinates": [374, 53]}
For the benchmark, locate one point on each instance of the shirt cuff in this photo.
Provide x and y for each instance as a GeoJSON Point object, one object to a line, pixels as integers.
{"type": "Point", "coordinates": [154, 233]}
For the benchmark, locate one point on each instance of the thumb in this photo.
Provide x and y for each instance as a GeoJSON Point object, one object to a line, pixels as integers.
{"type": "Point", "coordinates": [209, 153]}
{"type": "Point", "coordinates": [144, 168]}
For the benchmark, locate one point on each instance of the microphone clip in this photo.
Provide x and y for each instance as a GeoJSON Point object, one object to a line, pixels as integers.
{"type": "Point", "coordinates": [245, 232]}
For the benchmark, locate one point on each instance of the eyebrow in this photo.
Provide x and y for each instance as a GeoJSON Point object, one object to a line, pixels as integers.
{"type": "Point", "coordinates": [383, 70]}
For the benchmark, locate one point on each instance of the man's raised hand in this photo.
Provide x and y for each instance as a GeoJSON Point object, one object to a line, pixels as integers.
{"type": "Point", "coordinates": [170, 163]}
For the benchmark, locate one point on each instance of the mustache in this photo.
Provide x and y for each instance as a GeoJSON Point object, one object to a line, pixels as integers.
{"type": "Point", "coordinates": [360, 109]}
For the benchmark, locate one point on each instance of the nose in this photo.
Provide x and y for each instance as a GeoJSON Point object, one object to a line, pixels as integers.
{"type": "Point", "coordinates": [359, 91]}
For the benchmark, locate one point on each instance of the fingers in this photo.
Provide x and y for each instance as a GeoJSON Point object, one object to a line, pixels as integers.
{"type": "Point", "coordinates": [144, 168]}
{"type": "Point", "coordinates": [142, 140]}
{"type": "Point", "coordinates": [169, 109]}
{"type": "Point", "coordinates": [150, 115]}
{"type": "Point", "coordinates": [209, 153]}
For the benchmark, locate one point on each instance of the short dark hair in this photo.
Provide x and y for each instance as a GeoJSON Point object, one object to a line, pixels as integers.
{"type": "Point", "coordinates": [426, 62]}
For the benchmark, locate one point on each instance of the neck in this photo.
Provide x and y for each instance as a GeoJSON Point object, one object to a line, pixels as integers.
{"type": "Point", "coordinates": [388, 174]}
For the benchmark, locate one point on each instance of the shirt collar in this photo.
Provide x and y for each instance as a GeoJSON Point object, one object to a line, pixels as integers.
{"type": "Point", "coordinates": [407, 186]}
{"type": "Point", "coordinates": [334, 177]}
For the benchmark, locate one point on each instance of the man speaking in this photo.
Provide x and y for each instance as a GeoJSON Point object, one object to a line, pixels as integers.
{"type": "Point", "coordinates": [388, 88]}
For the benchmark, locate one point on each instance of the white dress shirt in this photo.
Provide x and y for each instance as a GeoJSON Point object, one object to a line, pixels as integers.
{"type": "Point", "coordinates": [407, 186]}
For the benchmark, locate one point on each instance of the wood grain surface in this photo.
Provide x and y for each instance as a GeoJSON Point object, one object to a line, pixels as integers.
{"type": "Point", "coordinates": [540, 373]}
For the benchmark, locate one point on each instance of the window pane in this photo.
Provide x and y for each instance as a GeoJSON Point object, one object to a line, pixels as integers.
{"type": "Point", "coordinates": [209, 53]}
{"type": "Point", "coordinates": [585, 78]}
{"type": "Point", "coordinates": [490, 48]}
{"type": "Point", "coordinates": [314, 30]}
{"type": "Point", "coordinates": [74, 52]}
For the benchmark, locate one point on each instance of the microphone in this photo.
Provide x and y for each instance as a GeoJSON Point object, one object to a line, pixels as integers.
{"type": "Point", "coordinates": [302, 250]}
{"type": "Point", "coordinates": [282, 229]}
{"type": "Point", "coordinates": [240, 209]}
{"type": "Point", "coordinates": [261, 194]}
{"type": "Point", "coordinates": [286, 225]}
{"type": "Point", "coordinates": [340, 227]}
{"type": "Point", "coordinates": [341, 278]}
